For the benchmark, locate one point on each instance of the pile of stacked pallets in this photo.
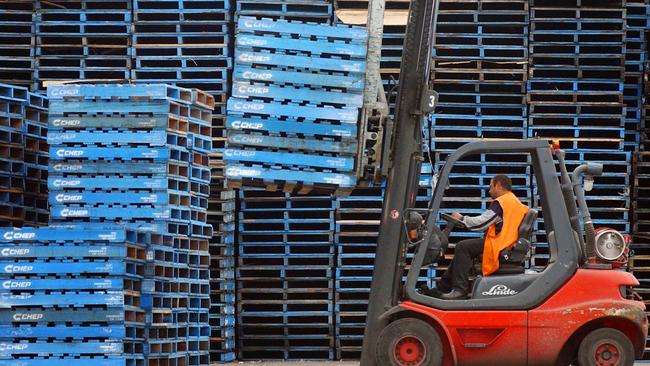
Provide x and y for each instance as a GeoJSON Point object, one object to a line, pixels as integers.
{"type": "Point", "coordinates": [23, 157]}
{"type": "Point", "coordinates": [137, 155]}
{"type": "Point", "coordinates": [17, 42]}
{"type": "Point", "coordinates": [285, 276]}
{"type": "Point", "coordinates": [575, 94]}
{"type": "Point", "coordinates": [74, 296]}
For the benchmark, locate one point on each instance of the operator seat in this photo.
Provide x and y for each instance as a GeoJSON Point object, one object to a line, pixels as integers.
{"type": "Point", "coordinates": [511, 260]}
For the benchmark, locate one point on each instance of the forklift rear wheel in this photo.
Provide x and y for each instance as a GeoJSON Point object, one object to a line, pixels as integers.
{"type": "Point", "coordinates": [409, 342]}
{"type": "Point", "coordinates": [606, 346]}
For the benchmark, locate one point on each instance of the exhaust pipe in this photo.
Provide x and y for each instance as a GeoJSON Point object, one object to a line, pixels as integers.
{"type": "Point", "coordinates": [589, 171]}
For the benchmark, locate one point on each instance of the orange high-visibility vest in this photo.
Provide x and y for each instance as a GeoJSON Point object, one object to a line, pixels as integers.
{"type": "Point", "coordinates": [513, 212]}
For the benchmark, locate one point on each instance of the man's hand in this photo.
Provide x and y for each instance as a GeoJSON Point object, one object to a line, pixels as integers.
{"type": "Point", "coordinates": [457, 216]}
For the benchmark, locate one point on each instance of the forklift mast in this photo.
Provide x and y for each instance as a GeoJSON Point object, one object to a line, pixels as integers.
{"type": "Point", "coordinates": [414, 103]}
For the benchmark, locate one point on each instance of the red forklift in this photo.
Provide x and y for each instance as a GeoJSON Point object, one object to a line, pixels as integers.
{"type": "Point", "coordinates": [580, 309]}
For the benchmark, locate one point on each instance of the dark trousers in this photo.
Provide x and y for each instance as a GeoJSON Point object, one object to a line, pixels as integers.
{"type": "Point", "coordinates": [457, 275]}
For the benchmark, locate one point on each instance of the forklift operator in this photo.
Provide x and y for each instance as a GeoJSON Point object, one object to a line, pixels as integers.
{"type": "Point", "coordinates": [501, 220]}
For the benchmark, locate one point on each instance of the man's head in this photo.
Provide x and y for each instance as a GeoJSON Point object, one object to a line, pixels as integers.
{"type": "Point", "coordinates": [499, 185]}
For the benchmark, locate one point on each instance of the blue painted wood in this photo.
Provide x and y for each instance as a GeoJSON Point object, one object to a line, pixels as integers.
{"type": "Point", "coordinates": [105, 106]}
{"type": "Point", "coordinates": [344, 115]}
{"type": "Point", "coordinates": [110, 153]}
{"type": "Point", "coordinates": [237, 138]}
{"type": "Point", "coordinates": [236, 123]}
{"type": "Point", "coordinates": [70, 233]}
{"type": "Point", "coordinates": [111, 267]}
{"type": "Point", "coordinates": [82, 315]}
{"type": "Point", "coordinates": [126, 213]}
{"type": "Point", "coordinates": [15, 252]}
{"type": "Point", "coordinates": [350, 83]}
{"type": "Point", "coordinates": [120, 91]}
{"type": "Point", "coordinates": [63, 284]}
{"type": "Point", "coordinates": [239, 172]}
{"type": "Point", "coordinates": [59, 122]}
{"type": "Point", "coordinates": [112, 361]}
{"type": "Point", "coordinates": [280, 158]}
{"type": "Point", "coordinates": [314, 47]}
{"type": "Point", "coordinates": [247, 57]}
{"type": "Point", "coordinates": [108, 167]}
{"type": "Point", "coordinates": [250, 24]}
{"type": "Point", "coordinates": [62, 331]}
{"type": "Point", "coordinates": [155, 138]}
{"type": "Point", "coordinates": [108, 183]}
{"type": "Point", "coordinates": [244, 90]}
{"type": "Point", "coordinates": [59, 348]}
{"type": "Point", "coordinates": [112, 198]}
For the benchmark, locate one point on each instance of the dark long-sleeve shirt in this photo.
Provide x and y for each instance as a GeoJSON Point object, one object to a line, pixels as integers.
{"type": "Point", "coordinates": [493, 215]}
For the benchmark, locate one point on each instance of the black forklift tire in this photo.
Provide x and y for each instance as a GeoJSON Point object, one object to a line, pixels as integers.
{"type": "Point", "coordinates": [409, 342]}
{"type": "Point", "coordinates": [606, 346]}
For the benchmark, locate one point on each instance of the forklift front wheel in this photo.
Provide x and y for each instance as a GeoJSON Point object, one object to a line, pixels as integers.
{"type": "Point", "coordinates": [606, 346]}
{"type": "Point", "coordinates": [409, 342]}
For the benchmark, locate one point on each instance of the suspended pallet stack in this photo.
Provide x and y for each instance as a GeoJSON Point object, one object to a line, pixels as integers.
{"type": "Point", "coordinates": [82, 40]}
{"type": "Point", "coordinates": [285, 276]}
{"type": "Point", "coordinates": [137, 155]}
{"type": "Point", "coordinates": [293, 114]}
{"type": "Point", "coordinates": [17, 29]}
{"type": "Point", "coordinates": [23, 157]}
{"type": "Point", "coordinates": [73, 296]}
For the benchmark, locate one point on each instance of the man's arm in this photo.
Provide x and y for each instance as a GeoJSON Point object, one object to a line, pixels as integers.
{"type": "Point", "coordinates": [493, 215]}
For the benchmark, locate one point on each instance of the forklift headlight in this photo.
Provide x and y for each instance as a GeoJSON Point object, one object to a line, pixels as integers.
{"type": "Point", "coordinates": [610, 244]}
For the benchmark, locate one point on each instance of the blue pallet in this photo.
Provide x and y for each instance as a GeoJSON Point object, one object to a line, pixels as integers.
{"type": "Point", "coordinates": [314, 47]}
{"type": "Point", "coordinates": [83, 361]}
{"type": "Point", "coordinates": [343, 115]}
{"type": "Point", "coordinates": [62, 284]}
{"type": "Point", "coordinates": [63, 300]}
{"type": "Point", "coordinates": [108, 107]}
{"type": "Point", "coordinates": [236, 138]}
{"type": "Point", "coordinates": [245, 90]}
{"type": "Point", "coordinates": [123, 153]}
{"type": "Point", "coordinates": [281, 158]}
{"type": "Point", "coordinates": [251, 25]}
{"type": "Point", "coordinates": [349, 83]}
{"type": "Point", "coordinates": [62, 331]}
{"type": "Point", "coordinates": [109, 167]}
{"type": "Point", "coordinates": [154, 138]}
{"type": "Point", "coordinates": [244, 57]}
{"type": "Point", "coordinates": [120, 91]}
{"type": "Point", "coordinates": [61, 348]}
{"type": "Point", "coordinates": [71, 315]}
{"type": "Point", "coordinates": [238, 172]}
{"type": "Point", "coordinates": [346, 131]}
{"type": "Point", "coordinates": [112, 198]}
{"type": "Point", "coordinates": [14, 93]}
{"type": "Point", "coordinates": [113, 234]}
{"type": "Point", "coordinates": [199, 143]}
{"type": "Point", "coordinates": [127, 121]}
{"type": "Point", "coordinates": [155, 184]}
{"type": "Point", "coordinates": [125, 213]}
{"type": "Point", "coordinates": [111, 267]}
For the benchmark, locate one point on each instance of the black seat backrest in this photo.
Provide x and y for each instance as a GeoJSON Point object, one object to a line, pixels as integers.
{"type": "Point", "coordinates": [519, 251]}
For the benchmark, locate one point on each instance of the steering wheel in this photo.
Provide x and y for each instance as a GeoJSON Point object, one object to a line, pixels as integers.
{"type": "Point", "coordinates": [452, 221]}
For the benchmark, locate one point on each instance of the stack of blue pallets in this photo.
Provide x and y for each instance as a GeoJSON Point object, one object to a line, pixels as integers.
{"type": "Point", "coordinates": [297, 90]}
{"type": "Point", "coordinates": [23, 157]}
{"type": "Point", "coordinates": [285, 279]}
{"type": "Point", "coordinates": [138, 155]}
{"type": "Point", "coordinates": [357, 220]}
{"type": "Point", "coordinates": [221, 215]}
{"type": "Point", "coordinates": [73, 296]}
{"type": "Point", "coordinates": [480, 71]}
{"type": "Point", "coordinates": [575, 94]}
{"type": "Point", "coordinates": [637, 13]}
{"type": "Point", "coordinates": [17, 42]}
{"type": "Point", "coordinates": [82, 39]}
